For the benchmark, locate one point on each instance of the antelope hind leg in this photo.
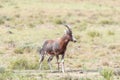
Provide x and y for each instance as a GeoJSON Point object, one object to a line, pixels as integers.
{"type": "Point", "coordinates": [41, 60]}
{"type": "Point", "coordinates": [49, 60]}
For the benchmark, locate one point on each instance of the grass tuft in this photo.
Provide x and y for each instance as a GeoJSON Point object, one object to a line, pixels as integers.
{"type": "Point", "coordinates": [19, 50]}
{"type": "Point", "coordinates": [108, 22]}
{"type": "Point", "coordinates": [58, 21]}
{"type": "Point", "coordinates": [111, 33]}
{"type": "Point", "coordinates": [93, 34]}
{"type": "Point", "coordinates": [9, 75]}
{"type": "Point", "coordinates": [23, 64]}
{"type": "Point", "coordinates": [107, 73]}
{"type": "Point", "coordinates": [1, 6]}
{"type": "Point", "coordinates": [1, 52]}
{"type": "Point", "coordinates": [1, 20]}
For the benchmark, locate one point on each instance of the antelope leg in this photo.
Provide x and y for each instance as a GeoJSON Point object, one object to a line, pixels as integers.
{"type": "Point", "coordinates": [49, 60]}
{"type": "Point", "coordinates": [62, 61]}
{"type": "Point", "coordinates": [57, 57]}
{"type": "Point", "coordinates": [41, 60]}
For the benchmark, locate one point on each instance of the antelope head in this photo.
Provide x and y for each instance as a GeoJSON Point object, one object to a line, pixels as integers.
{"type": "Point", "coordinates": [69, 33]}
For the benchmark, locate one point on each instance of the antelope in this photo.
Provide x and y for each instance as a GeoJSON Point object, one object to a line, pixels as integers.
{"type": "Point", "coordinates": [56, 47]}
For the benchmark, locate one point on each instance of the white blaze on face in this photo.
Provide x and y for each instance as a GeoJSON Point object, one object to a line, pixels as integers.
{"type": "Point", "coordinates": [74, 39]}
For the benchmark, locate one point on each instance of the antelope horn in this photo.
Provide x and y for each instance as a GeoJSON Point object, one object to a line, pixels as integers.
{"type": "Point", "coordinates": [67, 26]}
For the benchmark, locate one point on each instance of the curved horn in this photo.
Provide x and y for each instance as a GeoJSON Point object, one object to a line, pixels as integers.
{"type": "Point", "coordinates": [68, 27]}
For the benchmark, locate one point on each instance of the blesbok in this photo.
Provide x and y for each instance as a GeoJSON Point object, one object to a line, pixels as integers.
{"type": "Point", "coordinates": [56, 47]}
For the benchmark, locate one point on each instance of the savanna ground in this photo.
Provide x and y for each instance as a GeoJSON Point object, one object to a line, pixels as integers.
{"type": "Point", "coordinates": [26, 24]}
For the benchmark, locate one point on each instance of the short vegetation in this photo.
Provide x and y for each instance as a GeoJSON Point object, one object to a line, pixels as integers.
{"type": "Point", "coordinates": [26, 24]}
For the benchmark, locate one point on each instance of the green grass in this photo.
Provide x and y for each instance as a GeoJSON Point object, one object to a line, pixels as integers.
{"type": "Point", "coordinates": [6, 74]}
{"type": "Point", "coordinates": [107, 73]}
{"type": "Point", "coordinates": [12, 76]}
{"type": "Point", "coordinates": [24, 63]}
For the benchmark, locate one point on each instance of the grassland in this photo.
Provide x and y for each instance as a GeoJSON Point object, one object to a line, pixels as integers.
{"type": "Point", "coordinates": [25, 24]}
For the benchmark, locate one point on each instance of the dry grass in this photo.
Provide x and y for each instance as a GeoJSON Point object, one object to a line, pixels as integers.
{"type": "Point", "coordinates": [25, 24]}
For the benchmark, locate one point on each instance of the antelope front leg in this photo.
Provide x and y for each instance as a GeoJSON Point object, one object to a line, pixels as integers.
{"type": "Point", "coordinates": [57, 57]}
{"type": "Point", "coordinates": [62, 61]}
